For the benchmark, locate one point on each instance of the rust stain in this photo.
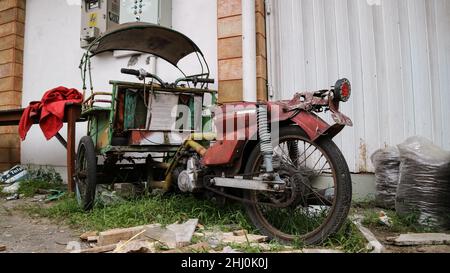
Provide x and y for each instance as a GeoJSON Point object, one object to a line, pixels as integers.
{"type": "Point", "coordinates": [362, 156]}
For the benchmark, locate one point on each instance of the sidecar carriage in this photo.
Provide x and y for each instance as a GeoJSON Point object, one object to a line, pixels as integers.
{"type": "Point", "coordinates": [131, 136]}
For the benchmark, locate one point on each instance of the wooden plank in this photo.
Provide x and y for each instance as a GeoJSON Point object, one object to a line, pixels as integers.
{"type": "Point", "coordinates": [114, 236]}
{"type": "Point", "coordinates": [100, 249]}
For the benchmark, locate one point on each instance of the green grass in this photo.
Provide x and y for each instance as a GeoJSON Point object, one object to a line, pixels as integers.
{"type": "Point", "coordinates": [163, 209]}
{"type": "Point", "coordinates": [399, 224]}
{"type": "Point", "coordinates": [40, 179]}
{"type": "Point", "coordinates": [349, 239]}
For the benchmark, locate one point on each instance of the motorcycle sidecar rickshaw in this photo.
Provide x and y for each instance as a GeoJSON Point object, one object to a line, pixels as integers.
{"type": "Point", "coordinates": [130, 130]}
{"type": "Point", "coordinates": [294, 185]}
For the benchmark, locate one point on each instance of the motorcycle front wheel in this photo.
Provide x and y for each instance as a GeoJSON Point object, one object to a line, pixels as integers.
{"type": "Point", "coordinates": [317, 199]}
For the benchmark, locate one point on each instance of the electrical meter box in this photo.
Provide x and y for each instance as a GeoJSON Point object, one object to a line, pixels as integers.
{"type": "Point", "coordinates": [97, 17]}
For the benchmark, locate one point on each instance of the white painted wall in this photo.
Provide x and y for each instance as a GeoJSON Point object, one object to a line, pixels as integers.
{"type": "Point", "coordinates": [52, 54]}
{"type": "Point", "coordinates": [395, 52]}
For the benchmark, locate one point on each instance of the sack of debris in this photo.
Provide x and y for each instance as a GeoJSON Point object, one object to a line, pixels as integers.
{"type": "Point", "coordinates": [387, 172]}
{"type": "Point", "coordinates": [424, 187]}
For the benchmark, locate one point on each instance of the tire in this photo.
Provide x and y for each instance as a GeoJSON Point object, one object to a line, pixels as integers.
{"type": "Point", "coordinates": [86, 174]}
{"type": "Point", "coordinates": [341, 196]}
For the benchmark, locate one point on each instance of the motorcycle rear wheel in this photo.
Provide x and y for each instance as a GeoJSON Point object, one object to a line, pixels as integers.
{"type": "Point", "coordinates": [301, 220]}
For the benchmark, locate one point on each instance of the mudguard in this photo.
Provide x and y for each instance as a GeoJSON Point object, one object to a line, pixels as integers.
{"type": "Point", "coordinates": [227, 150]}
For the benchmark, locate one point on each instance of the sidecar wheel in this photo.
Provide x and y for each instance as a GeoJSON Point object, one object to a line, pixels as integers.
{"type": "Point", "coordinates": [317, 200]}
{"type": "Point", "coordinates": [86, 174]}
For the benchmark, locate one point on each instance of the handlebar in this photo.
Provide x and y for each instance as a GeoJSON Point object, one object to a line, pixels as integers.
{"type": "Point", "coordinates": [130, 72]}
{"type": "Point", "coordinates": [141, 74]}
{"type": "Point", "coordinates": [195, 80]}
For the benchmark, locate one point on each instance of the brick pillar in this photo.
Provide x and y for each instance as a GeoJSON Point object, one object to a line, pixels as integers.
{"type": "Point", "coordinates": [12, 26]}
{"type": "Point", "coordinates": [229, 14]}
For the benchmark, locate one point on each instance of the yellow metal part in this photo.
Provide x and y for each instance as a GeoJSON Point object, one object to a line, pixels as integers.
{"type": "Point", "coordinates": [189, 143]}
{"type": "Point", "coordinates": [198, 148]}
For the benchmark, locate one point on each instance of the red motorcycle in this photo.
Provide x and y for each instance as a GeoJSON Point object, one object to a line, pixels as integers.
{"type": "Point", "coordinates": [294, 180]}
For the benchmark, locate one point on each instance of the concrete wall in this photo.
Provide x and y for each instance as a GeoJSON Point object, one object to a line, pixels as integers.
{"type": "Point", "coordinates": [52, 54]}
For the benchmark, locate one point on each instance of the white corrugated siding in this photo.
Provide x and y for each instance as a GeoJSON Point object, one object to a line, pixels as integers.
{"type": "Point", "coordinates": [395, 52]}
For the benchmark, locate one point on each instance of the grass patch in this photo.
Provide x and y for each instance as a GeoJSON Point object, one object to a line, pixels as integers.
{"type": "Point", "coordinates": [163, 209]}
{"type": "Point", "coordinates": [40, 179]}
{"type": "Point", "coordinates": [399, 224]}
{"type": "Point", "coordinates": [348, 239]}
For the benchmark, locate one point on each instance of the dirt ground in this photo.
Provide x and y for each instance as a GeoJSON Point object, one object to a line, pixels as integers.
{"type": "Point", "coordinates": [21, 233]}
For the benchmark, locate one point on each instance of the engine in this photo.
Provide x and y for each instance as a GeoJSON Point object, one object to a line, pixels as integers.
{"type": "Point", "coordinates": [188, 179]}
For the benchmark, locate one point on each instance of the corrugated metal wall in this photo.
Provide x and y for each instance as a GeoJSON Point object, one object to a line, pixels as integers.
{"type": "Point", "coordinates": [395, 52]}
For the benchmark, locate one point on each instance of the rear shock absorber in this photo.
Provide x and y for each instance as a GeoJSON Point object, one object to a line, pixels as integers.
{"type": "Point", "coordinates": [265, 137]}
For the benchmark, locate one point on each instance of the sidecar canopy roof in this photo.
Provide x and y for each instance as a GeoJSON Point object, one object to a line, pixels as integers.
{"type": "Point", "coordinates": [163, 42]}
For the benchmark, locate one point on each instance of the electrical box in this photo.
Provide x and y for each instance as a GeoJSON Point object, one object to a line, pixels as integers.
{"type": "Point", "coordinates": [97, 17]}
{"type": "Point", "coordinates": [150, 11]}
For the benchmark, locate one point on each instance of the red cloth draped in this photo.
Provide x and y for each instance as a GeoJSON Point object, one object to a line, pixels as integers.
{"type": "Point", "coordinates": [50, 111]}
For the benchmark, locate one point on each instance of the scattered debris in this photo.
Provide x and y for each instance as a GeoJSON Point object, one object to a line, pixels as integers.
{"type": "Point", "coordinates": [13, 197]}
{"type": "Point", "coordinates": [2, 248]}
{"type": "Point", "coordinates": [199, 234]}
{"type": "Point", "coordinates": [200, 227]}
{"type": "Point", "coordinates": [373, 244]}
{"type": "Point", "coordinates": [39, 198]}
{"type": "Point", "coordinates": [141, 246]}
{"type": "Point", "coordinates": [384, 219]}
{"type": "Point", "coordinates": [228, 249]}
{"type": "Point", "coordinates": [12, 189]}
{"type": "Point", "coordinates": [110, 198]}
{"type": "Point", "coordinates": [192, 248]}
{"type": "Point", "coordinates": [54, 195]}
{"type": "Point", "coordinates": [175, 235]}
{"type": "Point", "coordinates": [241, 232]}
{"type": "Point", "coordinates": [99, 249]}
{"type": "Point", "coordinates": [85, 236]}
{"type": "Point", "coordinates": [92, 239]}
{"type": "Point", "coordinates": [16, 174]}
{"type": "Point", "coordinates": [244, 239]}
{"type": "Point", "coordinates": [421, 239]}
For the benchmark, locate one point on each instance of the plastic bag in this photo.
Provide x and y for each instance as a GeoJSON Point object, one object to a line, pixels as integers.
{"type": "Point", "coordinates": [424, 187]}
{"type": "Point", "coordinates": [387, 172]}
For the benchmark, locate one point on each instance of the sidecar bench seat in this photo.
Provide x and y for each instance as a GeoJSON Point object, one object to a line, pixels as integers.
{"type": "Point", "coordinates": [98, 102]}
